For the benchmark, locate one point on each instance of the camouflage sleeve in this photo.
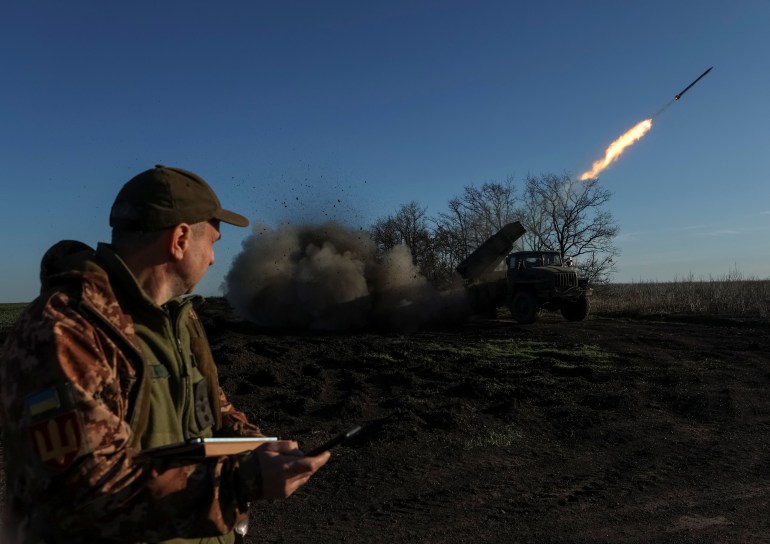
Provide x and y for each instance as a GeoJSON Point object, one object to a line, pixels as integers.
{"type": "Point", "coordinates": [67, 444]}
{"type": "Point", "coordinates": [235, 422]}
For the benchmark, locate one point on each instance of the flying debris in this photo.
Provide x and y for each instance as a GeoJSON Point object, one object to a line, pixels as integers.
{"type": "Point", "coordinates": [677, 97]}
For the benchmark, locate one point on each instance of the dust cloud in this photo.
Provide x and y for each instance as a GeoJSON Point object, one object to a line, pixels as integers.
{"type": "Point", "coordinates": [330, 277]}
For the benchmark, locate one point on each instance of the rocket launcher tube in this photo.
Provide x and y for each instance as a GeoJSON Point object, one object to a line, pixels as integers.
{"type": "Point", "coordinates": [489, 254]}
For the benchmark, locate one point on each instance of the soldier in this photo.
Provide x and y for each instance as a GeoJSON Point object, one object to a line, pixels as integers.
{"type": "Point", "coordinates": [111, 360]}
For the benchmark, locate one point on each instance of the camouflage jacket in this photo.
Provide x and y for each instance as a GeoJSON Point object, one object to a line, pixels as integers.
{"type": "Point", "coordinates": [74, 397]}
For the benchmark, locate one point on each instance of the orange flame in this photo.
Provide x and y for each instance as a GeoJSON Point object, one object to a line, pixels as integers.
{"type": "Point", "coordinates": [617, 147]}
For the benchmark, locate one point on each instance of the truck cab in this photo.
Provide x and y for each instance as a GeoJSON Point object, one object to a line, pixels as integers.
{"type": "Point", "coordinates": [541, 280]}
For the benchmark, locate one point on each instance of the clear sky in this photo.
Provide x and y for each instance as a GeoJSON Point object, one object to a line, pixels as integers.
{"type": "Point", "coordinates": [308, 110]}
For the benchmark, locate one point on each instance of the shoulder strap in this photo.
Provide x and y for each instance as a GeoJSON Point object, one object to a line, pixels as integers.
{"type": "Point", "coordinates": [201, 350]}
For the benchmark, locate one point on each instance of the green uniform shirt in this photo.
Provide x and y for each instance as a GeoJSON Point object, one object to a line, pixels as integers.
{"type": "Point", "coordinates": [179, 406]}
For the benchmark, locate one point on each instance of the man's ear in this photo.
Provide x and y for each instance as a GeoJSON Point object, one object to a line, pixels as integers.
{"type": "Point", "coordinates": [179, 240]}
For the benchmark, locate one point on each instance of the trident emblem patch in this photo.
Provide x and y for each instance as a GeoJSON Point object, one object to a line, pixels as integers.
{"type": "Point", "coordinates": [58, 440]}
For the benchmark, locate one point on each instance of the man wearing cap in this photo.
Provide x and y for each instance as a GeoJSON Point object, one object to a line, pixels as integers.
{"type": "Point", "coordinates": [111, 360]}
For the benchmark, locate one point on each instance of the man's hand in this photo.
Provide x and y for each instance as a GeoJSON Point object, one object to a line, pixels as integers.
{"type": "Point", "coordinates": [285, 469]}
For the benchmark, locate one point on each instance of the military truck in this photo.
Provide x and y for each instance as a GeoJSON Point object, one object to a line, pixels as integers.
{"type": "Point", "coordinates": [531, 282]}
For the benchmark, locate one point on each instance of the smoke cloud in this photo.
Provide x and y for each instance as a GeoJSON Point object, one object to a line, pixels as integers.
{"type": "Point", "coordinates": [328, 277]}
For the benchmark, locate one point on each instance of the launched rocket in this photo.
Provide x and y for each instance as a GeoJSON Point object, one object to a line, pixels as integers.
{"type": "Point", "coordinates": [617, 147]}
{"type": "Point", "coordinates": [677, 97]}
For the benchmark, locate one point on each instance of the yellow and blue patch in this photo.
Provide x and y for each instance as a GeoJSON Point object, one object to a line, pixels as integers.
{"type": "Point", "coordinates": [43, 401]}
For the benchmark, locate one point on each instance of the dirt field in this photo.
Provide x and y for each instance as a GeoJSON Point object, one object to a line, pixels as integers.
{"type": "Point", "coordinates": [609, 430]}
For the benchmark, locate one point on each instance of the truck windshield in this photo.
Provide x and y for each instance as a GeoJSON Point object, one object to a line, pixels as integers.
{"type": "Point", "coordinates": [536, 259]}
{"type": "Point", "coordinates": [552, 259]}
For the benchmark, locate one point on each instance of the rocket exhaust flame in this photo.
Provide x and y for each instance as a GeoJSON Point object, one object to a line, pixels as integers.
{"type": "Point", "coordinates": [616, 148]}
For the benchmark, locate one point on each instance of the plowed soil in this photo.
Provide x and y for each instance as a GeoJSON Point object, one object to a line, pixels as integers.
{"type": "Point", "coordinates": [608, 430]}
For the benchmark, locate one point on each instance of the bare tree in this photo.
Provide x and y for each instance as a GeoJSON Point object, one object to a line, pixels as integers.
{"type": "Point", "coordinates": [455, 229]}
{"type": "Point", "coordinates": [567, 216]}
{"type": "Point", "coordinates": [385, 234]}
{"type": "Point", "coordinates": [409, 226]}
{"type": "Point", "coordinates": [559, 214]}
{"type": "Point", "coordinates": [475, 216]}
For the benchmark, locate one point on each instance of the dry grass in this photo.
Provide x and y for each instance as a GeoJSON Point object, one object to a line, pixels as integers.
{"type": "Point", "coordinates": [731, 295]}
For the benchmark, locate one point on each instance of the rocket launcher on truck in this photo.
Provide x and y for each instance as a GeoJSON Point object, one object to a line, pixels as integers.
{"type": "Point", "coordinates": [532, 282]}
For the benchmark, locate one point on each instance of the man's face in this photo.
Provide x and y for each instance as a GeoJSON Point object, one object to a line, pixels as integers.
{"type": "Point", "coordinates": [199, 255]}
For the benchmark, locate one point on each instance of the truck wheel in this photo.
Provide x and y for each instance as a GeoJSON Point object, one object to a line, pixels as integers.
{"type": "Point", "coordinates": [524, 307]}
{"type": "Point", "coordinates": [576, 311]}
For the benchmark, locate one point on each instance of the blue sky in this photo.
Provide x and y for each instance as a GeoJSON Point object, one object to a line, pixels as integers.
{"type": "Point", "coordinates": [304, 111]}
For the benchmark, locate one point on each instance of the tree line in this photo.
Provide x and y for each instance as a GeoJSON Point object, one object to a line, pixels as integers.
{"type": "Point", "coordinates": [559, 213]}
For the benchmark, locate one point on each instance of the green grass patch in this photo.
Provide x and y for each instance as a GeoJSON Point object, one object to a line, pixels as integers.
{"type": "Point", "coordinates": [505, 350]}
{"type": "Point", "coordinates": [9, 313]}
{"type": "Point", "coordinates": [502, 438]}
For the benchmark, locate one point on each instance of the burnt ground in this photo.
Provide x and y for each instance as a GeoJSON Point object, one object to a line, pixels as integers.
{"type": "Point", "coordinates": [608, 430]}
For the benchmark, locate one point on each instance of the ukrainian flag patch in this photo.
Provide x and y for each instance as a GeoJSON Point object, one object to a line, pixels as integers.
{"type": "Point", "coordinates": [43, 401]}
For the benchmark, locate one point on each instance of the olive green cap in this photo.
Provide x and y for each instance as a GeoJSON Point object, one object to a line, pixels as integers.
{"type": "Point", "coordinates": [162, 197]}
